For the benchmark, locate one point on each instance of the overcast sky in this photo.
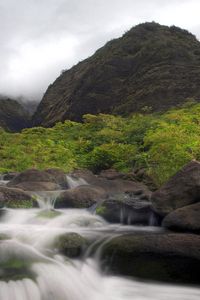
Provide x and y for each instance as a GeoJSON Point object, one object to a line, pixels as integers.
{"type": "Point", "coordinates": [39, 38]}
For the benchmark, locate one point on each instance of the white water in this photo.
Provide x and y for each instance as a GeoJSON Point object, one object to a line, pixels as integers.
{"type": "Point", "coordinates": [2, 181]}
{"type": "Point", "coordinates": [31, 238]}
{"type": "Point", "coordinates": [75, 182]}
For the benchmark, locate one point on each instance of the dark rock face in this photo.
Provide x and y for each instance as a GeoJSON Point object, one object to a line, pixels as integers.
{"type": "Point", "coordinates": [181, 190]}
{"type": "Point", "coordinates": [113, 186]}
{"type": "Point", "coordinates": [13, 116]}
{"type": "Point", "coordinates": [150, 68]}
{"type": "Point", "coordinates": [162, 256]}
{"type": "Point", "coordinates": [121, 208]}
{"type": "Point", "coordinates": [80, 197]}
{"type": "Point", "coordinates": [36, 180]}
{"type": "Point", "coordinates": [186, 218]}
{"type": "Point", "coordinates": [15, 198]}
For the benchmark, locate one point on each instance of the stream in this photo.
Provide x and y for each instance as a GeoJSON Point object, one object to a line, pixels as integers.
{"type": "Point", "coordinates": [29, 246]}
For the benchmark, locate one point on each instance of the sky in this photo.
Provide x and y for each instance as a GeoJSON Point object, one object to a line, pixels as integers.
{"type": "Point", "coordinates": [40, 38]}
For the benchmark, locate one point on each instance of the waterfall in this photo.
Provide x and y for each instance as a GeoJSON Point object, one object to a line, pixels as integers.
{"type": "Point", "coordinates": [44, 274]}
{"type": "Point", "coordinates": [2, 181]}
{"type": "Point", "coordinates": [74, 182]}
{"type": "Point", "coordinates": [46, 199]}
{"type": "Point", "coordinates": [51, 277]}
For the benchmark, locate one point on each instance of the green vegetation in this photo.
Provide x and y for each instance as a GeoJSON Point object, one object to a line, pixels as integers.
{"type": "Point", "coordinates": [159, 143]}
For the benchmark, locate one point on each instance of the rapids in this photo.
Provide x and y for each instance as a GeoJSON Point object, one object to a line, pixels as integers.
{"type": "Point", "coordinates": [29, 237]}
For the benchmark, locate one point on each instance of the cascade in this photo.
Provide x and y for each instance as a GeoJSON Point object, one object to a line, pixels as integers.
{"type": "Point", "coordinates": [75, 182]}
{"type": "Point", "coordinates": [31, 267]}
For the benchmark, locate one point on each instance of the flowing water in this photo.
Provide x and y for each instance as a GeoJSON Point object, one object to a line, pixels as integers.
{"type": "Point", "coordinates": [74, 182]}
{"type": "Point", "coordinates": [44, 274]}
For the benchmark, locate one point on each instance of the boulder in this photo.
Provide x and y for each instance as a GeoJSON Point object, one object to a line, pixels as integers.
{"type": "Point", "coordinates": [186, 218]}
{"type": "Point", "coordinates": [111, 174]}
{"type": "Point", "coordinates": [121, 208]}
{"type": "Point", "coordinates": [155, 256]}
{"type": "Point", "coordinates": [15, 198]}
{"type": "Point", "coordinates": [37, 186]}
{"type": "Point", "coordinates": [112, 186]}
{"type": "Point", "coordinates": [36, 180]}
{"type": "Point", "coordinates": [10, 175]}
{"type": "Point", "coordinates": [181, 190]}
{"type": "Point", "coordinates": [80, 197]}
{"type": "Point", "coordinates": [71, 244]}
{"type": "Point", "coordinates": [59, 176]}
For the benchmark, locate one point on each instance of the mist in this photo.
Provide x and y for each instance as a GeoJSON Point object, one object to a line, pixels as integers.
{"type": "Point", "coordinates": [41, 38]}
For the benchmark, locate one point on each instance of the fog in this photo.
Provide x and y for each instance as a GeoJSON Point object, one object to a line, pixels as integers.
{"type": "Point", "coordinates": [40, 38]}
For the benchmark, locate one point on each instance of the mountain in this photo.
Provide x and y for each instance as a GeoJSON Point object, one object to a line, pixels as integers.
{"type": "Point", "coordinates": [13, 117]}
{"type": "Point", "coordinates": [151, 67]}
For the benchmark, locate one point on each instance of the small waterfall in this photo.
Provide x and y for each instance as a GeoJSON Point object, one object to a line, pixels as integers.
{"type": "Point", "coordinates": [153, 220]}
{"type": "Point", "coordinates": [73, 182]}
{"type": "Point", "coordinates": [2, 181]}
{"type": "Point", "coordinates": [46, 199]}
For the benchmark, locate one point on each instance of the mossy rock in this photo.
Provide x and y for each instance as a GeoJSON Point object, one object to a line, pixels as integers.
{"type": "Point", "coordinates": [71, 244]}
{"type": "Point", "coordinates": [21, 204]}
{"type": "Point", "coordinates": [15, 269]}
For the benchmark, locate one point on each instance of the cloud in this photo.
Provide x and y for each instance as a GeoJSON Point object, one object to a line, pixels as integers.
{"type": "Point", "coordinates": [39, 38]}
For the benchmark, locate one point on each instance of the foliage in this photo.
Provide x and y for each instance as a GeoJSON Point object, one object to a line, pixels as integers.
{"type": "Point", "coordinates": [159, 143]}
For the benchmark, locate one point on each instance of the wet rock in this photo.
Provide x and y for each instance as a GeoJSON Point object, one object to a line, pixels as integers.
{"type": "Point", "coordinates": [32, 175]}
{"type": "Point", "coordinates": [114, 186]}
{"type": "Point", "coordinates": [111, 174]}
{"type": "Point", "coordinates": [33, 180]}
{"type": "Point", "coordinates": [80, 197]}
{"type": "Point", "coordinates": [155, 256]}
{"type": "Point", "coordinates": [184, 219]}
{"type": "Point", "coordinates": [71, 244]}
{"type": "Point", "coordinates": [15, 198]}
{"type": "Point", "coordinates": [15, 269]}
{"type": "Point", "coordinates": [37, 186]}
{"type": "Point", "coordinates": [10, 175]}
{"type": "Point", "coordinates": [181, 190]}
{"type": "Point", "coordinates": [59, 176]}
{"type": "Point", "coordinates": [121, 208]}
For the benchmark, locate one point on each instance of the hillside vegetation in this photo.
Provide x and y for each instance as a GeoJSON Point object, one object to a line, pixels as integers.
{"type": "Point", "coordinates": [159, 143]}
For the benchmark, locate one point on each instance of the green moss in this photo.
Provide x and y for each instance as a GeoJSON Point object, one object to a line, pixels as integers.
{"type": "Point", "coordinates": [15, 269]}
{"type": "Point", "coordinates": [20, 204]}
{"type": "Point", "coordinates": [100, 210]}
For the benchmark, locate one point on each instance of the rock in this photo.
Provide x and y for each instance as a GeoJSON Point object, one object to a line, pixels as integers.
{"type": "Point", "coordinates": [13, 117]}
{"type": "Point", "coordinates": [15, 198]}
{"type": "Point", "coordinates": [155, 256]}
{"type": "Point", "coordinates": [59, 176]}
{"type": "Point", "coordinates": [121, 208]}
{"type": "Point", "coordinates": [32, 175]}
{"type": "Point", "coordinates": [80, 197]}
{"type": "Point", "coordinates": [15, 269]}
{"type": "Point", "coordinates": [10, 175]}
{"type": "Point", "coordinates": [186, 218]}
{"type": "Point", "coordinates": [37, 186]}
{"type": "Point", "coordinates": [36, 180]}
{"type": "Point", "coordinates": [112, 186]}
{"type": "Point", "coordinates": [111, 174]}
{"type": "Point", "coordinates": [71, 244]}
{"type": "Point", "coordinates": [181, 190]}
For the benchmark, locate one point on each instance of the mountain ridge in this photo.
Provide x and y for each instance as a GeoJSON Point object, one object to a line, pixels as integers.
{"type": "Point", "coordinates": [151, 67]}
